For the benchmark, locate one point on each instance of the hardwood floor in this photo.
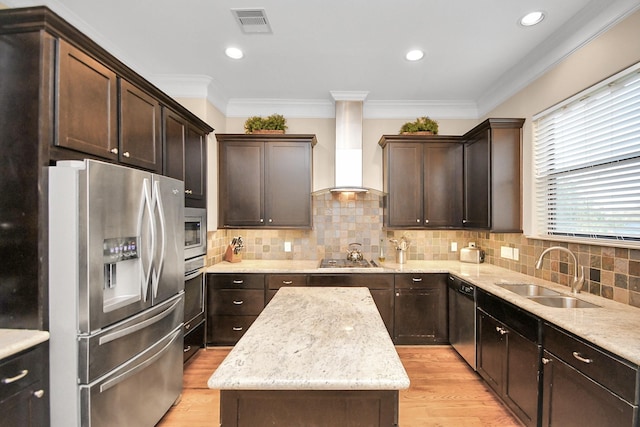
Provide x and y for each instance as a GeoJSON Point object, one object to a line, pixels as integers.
{"type": "Point", "coordinates": [444, 392]}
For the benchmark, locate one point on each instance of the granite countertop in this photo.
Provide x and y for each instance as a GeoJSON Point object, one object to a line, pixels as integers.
{"type": "Point", "coordinates": [613, 326]}
{"type": "Point", "coordinates": [13, 341]}
{"type": "Point", "coordinates": [314, 339]}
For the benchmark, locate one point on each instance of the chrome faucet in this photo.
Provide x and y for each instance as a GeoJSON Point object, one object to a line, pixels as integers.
{"type": "Point", "coordinates": [578, 281]}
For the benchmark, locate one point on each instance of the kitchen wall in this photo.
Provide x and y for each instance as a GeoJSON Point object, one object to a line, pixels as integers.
{"type": "Point", "coordinates": [613, 272]}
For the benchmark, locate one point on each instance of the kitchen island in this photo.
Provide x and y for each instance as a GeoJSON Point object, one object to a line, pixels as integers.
{"type": "Point", "coordinates": [319, 356]}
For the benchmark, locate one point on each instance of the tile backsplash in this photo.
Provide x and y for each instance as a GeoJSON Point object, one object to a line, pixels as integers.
{"type": "Point", "coordinates": [340, 219]}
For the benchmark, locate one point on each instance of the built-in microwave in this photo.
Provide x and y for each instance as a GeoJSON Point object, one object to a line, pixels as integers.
{"type": "Point", "coordinates": [195, 232]}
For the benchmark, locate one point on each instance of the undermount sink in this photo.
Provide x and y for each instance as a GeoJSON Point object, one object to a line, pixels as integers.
{"type": "Point", "coordinates": [528, 289]}
{"type": "Point", "coordinates": [561, 301]}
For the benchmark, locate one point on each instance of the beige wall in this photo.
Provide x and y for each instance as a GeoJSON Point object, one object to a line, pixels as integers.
{"type": "Point", "coordinates": [604, 56]}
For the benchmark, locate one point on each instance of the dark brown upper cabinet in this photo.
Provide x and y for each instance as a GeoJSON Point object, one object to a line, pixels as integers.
{"type": "Point", "coordinates": [87, 104]}
{"type": "Point", "coordinates": [140, 138]}
{"type": "Point", "coordinates": [493, 176]}
{"type": "Point", "coordinates": [422, 181]}
{"type": "Point", "coordinates": [185, 157]}
{"type": "Point", "coordinates": [265, 180]}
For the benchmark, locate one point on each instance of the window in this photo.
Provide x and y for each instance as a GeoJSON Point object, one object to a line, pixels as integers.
{"type": "Point", "coordinates": [587, 162]}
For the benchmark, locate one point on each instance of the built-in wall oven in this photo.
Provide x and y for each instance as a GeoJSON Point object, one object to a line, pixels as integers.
{"type": "Point", "coordinates": [195, 234]}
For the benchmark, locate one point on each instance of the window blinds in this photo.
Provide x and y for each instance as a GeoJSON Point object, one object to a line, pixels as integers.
{"type": "Point", "coordinates": [587, 162]}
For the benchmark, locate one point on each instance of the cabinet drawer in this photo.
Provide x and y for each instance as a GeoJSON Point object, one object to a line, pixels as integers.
{"type": "Point", "coordinates": [615, 374]}
{"type": "Point", "coordinates": [193, 341]}
{"type": "Point", "coordinates": [20, 371]}
{"type": "Point", "coordinates": [236, 281]}
{"type": "Point", "coordinates": [277, 281]}
{"type": "Point", "coordinates": [227, 330]}
{"type": "Point", "coordinates": [418, 281]}
{"type": "Point", "coordinates": [371, 281]}
{"type": "Point", "coordinates": [516, 319]}
{"type": "Point", "coordinates": [236, 302]}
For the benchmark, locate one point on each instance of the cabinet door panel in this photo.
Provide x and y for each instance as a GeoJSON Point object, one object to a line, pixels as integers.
{"type": "Point", "coordinates": [384, 302]}
{"type": "Point", "coordinates": [420, 316]}
{"type": "Point", "coordinates": [87, 104]}
{"type": "Point", "coordinates": [572, 399]}
{"type": "Point", "coordinates": [288, 176]}
{"type": "Point", "coordinates": [443, 185]}
{"type": "Point", "coordinates": [242, 184]}
{"type": "Point", "coordinates": [174, 136]}
{"type": "Point", "coordinates": [405, 185]}
{"type": "Point", "coordinates": [491, 350]}
{"type": "Point", "coordinates": [476, 173]}
{"type": "Point", "coordinates": [195, 174]}
{"type": "Point", "coordinates": [140, 143]}
{"type": "Point", "coordinates": [521, 386]}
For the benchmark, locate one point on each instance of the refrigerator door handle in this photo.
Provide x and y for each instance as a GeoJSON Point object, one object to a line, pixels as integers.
{"type": "Point", "coordinates": [146, 206]}
{"type": "Point", "coordinates": [157, 272]}
{"type": "Point", "coordinates": [114, 381]}
{"type": "Point", "coordinates": [138, 326]}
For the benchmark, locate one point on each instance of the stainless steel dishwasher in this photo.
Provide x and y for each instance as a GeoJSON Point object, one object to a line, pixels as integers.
{"type": "Point", "coordinates": [462, 319]}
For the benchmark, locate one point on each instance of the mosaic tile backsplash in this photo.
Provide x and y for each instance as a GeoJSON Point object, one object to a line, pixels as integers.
{"type": "Point", "coordinates": [341, 219]}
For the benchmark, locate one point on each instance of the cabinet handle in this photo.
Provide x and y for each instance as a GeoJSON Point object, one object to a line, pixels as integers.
{"type": "Point", "coordinates": [417, 279]}
{"type": "Point", "coordinates": [187, 326]}
{"type": "Point", "coordinates": [236, 302]}
{"type": "Point", "coordinates": [187, 349]}
{"type": "Point", "coordinates": [114, 151]}
{"type": "Point", "coordinates": [270, 220]}
{"type": "Point", "coordinates": [18, 377]}
{"type": "Point", "coordinates": [426, 221]}
{"type": "Point", "coordinates": [261, 220]}
{"type": "Point", "coordinates": [418, 220]}
{"type": "Point", "coordinates": [38, 393]}
{"type": "Point", "coordinates": [581, 357]}
{"type": "Point", "coordinates": [188, 191]}
{"type": "Point", "coordinates": [397, 294]}
{"type": "Point", "coordinates": [238, 282]}
{"type": "Point", "coordinates": [464, 221]}
{"type": "Point", "coordinates": [545, 361]}
{"type": "Point", "coordinates": [126, 154]}
{"type": "Point", "coordinates": [237, 328]}
{"type": "Point", "coordinates": [287, 282]}
{"type": "Point", "coordinates": [502, 331]}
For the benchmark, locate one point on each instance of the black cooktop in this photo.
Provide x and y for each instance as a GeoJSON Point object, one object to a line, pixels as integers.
{"type": "Point", "coordinates": [343, 263]}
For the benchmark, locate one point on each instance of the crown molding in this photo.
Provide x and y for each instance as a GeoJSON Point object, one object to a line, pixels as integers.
{"type": "Point", "coordinates": [299, 108]}
{"type": "Point", "coordinates": [593, 20]}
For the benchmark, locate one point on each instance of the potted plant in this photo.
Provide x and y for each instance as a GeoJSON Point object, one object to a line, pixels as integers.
{"type": "Point", "coordinates": [422, 126]}
{"type": "Point", "coordinates": [275, 123]}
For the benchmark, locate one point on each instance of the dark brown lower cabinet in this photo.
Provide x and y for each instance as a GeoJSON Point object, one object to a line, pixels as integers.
{"type": "Point", "coordinates": [420, 309]}
{"type": "Point", "coordinates": [193, 341]}
{"type": "Point", "coordinates": [353, 408]}
{"type": "Point", "coordinates": [584, 386]}
{"type": "Point", "coordinates": [509, 355]}
{"type": "Point", "coordinates": [24, 388]}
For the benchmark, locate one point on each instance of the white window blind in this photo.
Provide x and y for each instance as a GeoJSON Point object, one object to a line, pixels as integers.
{"type": "Point", "coordinates": [587, 162]}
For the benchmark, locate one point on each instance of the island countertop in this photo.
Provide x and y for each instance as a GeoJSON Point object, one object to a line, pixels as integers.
{"type": "Point", "coordinates": [314, 339]}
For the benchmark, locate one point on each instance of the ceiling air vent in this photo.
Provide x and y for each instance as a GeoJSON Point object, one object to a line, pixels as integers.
{"type": "Point", "coordinates": [252, 20]}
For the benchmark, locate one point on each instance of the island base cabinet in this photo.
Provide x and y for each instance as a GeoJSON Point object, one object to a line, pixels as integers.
{"type": "Point", "coordinates": [572, 399]}
{"type": "Point", "coordinates": [227, 330]}
{"type": "Point", "coordinates": [262, 408]}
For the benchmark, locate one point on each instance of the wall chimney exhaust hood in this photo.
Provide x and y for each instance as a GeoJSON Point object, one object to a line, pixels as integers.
{"type": "Point", "coordinates": [348, 154]}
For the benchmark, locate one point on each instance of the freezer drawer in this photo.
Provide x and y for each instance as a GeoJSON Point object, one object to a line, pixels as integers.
{"type": "Point", "coordinates": [103, 352]}
{"type": "Point", "coordinates": [138, 393]}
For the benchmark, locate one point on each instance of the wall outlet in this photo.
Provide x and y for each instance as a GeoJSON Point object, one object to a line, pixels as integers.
{"type": "Point", "coordinates": [454, 246]}
{"type": "Point", "coordinates": [287, 246]}
{"type": "Point", "coordinates": [506, 252]}
{"type": "Point", "coordinates": [516, 254]}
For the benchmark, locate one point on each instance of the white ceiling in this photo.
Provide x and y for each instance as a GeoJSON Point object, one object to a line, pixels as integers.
{"type": "Point", "coordinates": [476, 53]}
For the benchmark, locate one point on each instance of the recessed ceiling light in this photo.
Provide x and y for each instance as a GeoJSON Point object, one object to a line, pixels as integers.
{"type": "Point", "coordinates": [532, 18]}
{"type": "Point", "coordinates": [234, 53]}
{"type": "Point", "coordinates": [414, 55]}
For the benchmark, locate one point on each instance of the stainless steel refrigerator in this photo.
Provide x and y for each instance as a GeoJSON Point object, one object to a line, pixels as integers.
{"type": "Point", "coordinates": [116, 294]}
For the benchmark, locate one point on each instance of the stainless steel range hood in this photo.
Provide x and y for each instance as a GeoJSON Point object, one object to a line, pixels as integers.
{"type": "Point", "coordinates": [348, 154]}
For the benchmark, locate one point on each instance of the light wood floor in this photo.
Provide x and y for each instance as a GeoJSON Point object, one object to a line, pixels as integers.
{"type": "Point", "coordinates": [444, 392]}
